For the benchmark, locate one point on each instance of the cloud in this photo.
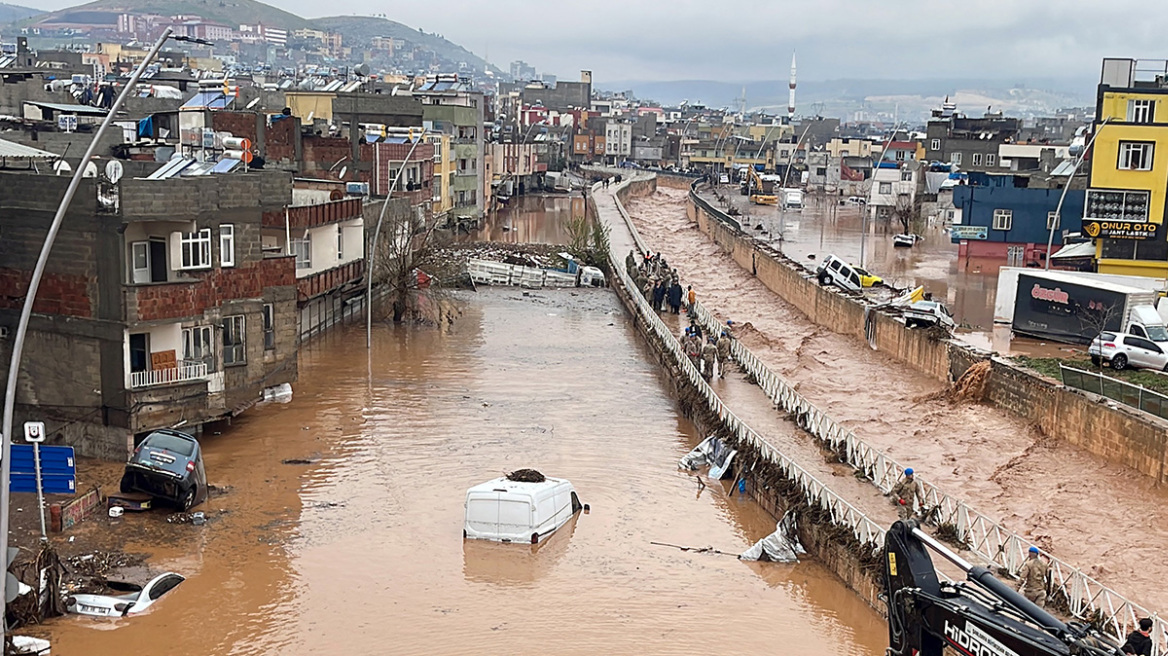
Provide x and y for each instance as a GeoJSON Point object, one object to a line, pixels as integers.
{"type": "Point", "coordinates": [753, 39]}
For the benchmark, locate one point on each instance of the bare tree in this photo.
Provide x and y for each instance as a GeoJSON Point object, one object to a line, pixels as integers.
{"type": "Point", "coordinates": [409, 245]}
{"type": "Point", "coordinates": [1095, 318]}
{"type": "Point", "coordinates": [904, 212]}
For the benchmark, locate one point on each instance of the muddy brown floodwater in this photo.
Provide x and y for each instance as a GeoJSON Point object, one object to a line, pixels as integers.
{"type": "Point", "coordinates": [360, 551]}
{"type": "Point", "coordinates": [535, 219]}
{"type": "Point", "coordinates": [1101, 517]}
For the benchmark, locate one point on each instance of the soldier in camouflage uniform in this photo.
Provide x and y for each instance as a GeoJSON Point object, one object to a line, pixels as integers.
{"type": "Point", "coordinates": [906, 493]}
{"type": "Point", "coordinates": [1032, 577]}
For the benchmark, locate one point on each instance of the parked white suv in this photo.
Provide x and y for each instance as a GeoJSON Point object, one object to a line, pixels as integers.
{"type": "Point", "coordinates": [1124, 350]}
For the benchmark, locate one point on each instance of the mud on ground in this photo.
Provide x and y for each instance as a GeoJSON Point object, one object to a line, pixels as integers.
{"type": "Point", "coordinates": [1102, 517]}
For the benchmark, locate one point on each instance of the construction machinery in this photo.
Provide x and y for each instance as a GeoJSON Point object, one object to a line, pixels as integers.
{"type": "Point", "coordinates": [982, 615]}
{"type": "Point", "coordinates": [754, 187]}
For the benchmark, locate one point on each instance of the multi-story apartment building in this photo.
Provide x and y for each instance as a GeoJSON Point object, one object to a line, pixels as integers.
{"type": "Point", "coordinates": [1128, 184]}
{"type": "Point", "coordinates": [159, 307]}
{"type": "Point", "coordinates": [970, 143]}
{"type": "Point", "coordinates": [452, 108]}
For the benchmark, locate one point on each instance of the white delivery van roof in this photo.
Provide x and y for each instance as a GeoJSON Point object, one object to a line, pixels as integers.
{"type": "Point", "coordinates": [505, 510]}
{"type": "Point", "coordinates": [517, 488]}
{"type": "Point", "coordinates": [1147, 315]}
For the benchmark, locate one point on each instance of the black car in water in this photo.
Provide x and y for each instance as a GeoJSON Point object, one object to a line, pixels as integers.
{"type": "Point", "coordinates": [168, 465]}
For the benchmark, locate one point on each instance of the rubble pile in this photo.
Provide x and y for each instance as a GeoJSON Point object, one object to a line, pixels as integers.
{"type": "Point", "coordinates": [449, 262]}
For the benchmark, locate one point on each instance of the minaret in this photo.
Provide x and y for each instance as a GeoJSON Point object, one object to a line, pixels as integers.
{"type": "Point", "coordinates": [791, 101]}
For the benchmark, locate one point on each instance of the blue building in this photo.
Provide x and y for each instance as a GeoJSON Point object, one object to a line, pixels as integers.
{"type": "Point", "coordinates": [1004, 222]}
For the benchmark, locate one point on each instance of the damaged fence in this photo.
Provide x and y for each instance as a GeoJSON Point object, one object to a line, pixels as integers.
{"type": "Point", "coordinates": [1136, 396]}
{"type": "Point", "coordinates": [1086, 598]}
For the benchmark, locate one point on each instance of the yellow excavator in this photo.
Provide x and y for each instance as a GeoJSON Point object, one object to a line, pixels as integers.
{"type": "Point", "coordinates": [758, 196]}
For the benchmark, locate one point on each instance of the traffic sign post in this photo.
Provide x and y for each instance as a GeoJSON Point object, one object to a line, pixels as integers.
{"type": "Point", "coordinates": [34, 431]}
{"type": "Point", "coordinates": [49, 469]}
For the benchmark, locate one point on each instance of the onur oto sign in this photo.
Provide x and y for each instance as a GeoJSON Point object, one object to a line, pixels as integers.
{"type": "Point", "coordinates": [1119, 229]}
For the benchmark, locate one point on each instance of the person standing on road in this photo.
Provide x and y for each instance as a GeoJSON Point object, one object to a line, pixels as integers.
{"type": "Point", "coordinates": [1139, 642]}
{"type": "Point", "coordinates": [709, 356]}
{"type": "Point", "coordinates": [693, 349]}
{"type": "Point", "coordinates": [675, 298]}
{"type": "Point", "coordinates": [1032, 575]}
{"type": "Point", "coordinates": [691, 297]}
{"type": "Point", "coordinates": [906, 493]}
{"type": "Point", "coordinates": [658, 294]}
{"type": "Point", "coordinates": [631, 262]}
{"type": "Point", "coordinates": [723, 353]}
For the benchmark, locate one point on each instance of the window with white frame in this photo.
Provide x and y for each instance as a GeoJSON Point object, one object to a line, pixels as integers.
{"type": "Point", "coordinates": [1051, 220]}
{"type": "Point", "coordinates": [1003, 219]}
{"type": "Point", "coordinates": [269, 327]}
{"type": "Point", "coordinates": [197, 346]}
{"type": "Point", "coordinates": [886, 187]}
{"type": "Point", "coordinates": [906, 175]}
{"type": "Point", "coordinates": [1141, 111]}
{"type": "Point", "coordinates": [977, 159]}
{"type": "Point", "coordinates": [302, 249]}
{"type": "Point", "coordinates": [935, 144]}
{"type": "Point", "coordinates": [196, 249]}
{"type": "Point", "coordinates": [1135, 155]}
{"type": "Point", "coordinates": [227, 245]}
{"type": "Point", "coordinates": [340, 243]}
{"type": "Point", "coordinates": [991, 159]}
{"type": "Point", "coordinates": [955, 158]}
{"type": "Point", "coordinates": [234, 349]}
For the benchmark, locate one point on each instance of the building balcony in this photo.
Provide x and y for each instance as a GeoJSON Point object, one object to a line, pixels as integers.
{"type": "Point", "coordinates": [312, 216]}
{"type": "Point", "coordinates": [184, 372]}
{"type": "Point", "coordinates": [330, 279]}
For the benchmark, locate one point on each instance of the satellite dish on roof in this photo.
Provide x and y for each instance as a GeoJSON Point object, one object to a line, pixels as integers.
{"type": "Point", "coordinates": [114, 170]}
{"type": "Point", "coordinates": [90, 170]}
{"type": "Point", "coordinates": [253, 103]}
{"type": "Point", "coordinates": [61, 167]}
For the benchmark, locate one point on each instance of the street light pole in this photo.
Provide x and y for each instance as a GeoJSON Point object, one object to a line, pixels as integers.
{"type": "Point", "coordinates": [373, 245]}
{"type": "Point", "coordinates": [26, 311]}
{"type": "Point", "coordinates": [864, 214]}
{"type": "Point", "coordinates": [1058, 210]}
{"type": "Point", "coordinates": [783, 190]}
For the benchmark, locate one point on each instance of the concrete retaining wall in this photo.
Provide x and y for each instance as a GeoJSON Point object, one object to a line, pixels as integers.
{"type": "Point", "coordinates": [832, 544]}
{"type": "Point", "coordinates": [1118, 434]}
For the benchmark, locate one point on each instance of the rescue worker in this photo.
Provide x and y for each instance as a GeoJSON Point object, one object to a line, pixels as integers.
{"type": "Point", "coordinates": [906, 493]}
{"type": "Point", "coordinates": [709, 356]}
{"type": "Point", "coordinates": [631, 262]}
{"type": "Point", "coordinates": [675, 297]}
{"type": "Point", "coordinates": [693, 347]}
{"type": "Point", "coordinates": [1032, 578]}
{"type": "Point", "coordinates": [691, 297]}
{"type": "Point", "coordinates": [723, 353]}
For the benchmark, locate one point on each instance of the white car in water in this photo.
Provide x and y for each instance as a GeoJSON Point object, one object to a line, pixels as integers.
{"type": "Point", "coordinates": [132, 603]}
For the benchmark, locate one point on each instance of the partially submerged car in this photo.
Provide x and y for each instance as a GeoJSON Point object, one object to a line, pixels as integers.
{"type": "Point", "coordinates": [834, 271]}
{"type": "Point", "coordinates": [131, 603]}
{"type": "Point", "coordinates": [506, 510]}
{"type": "Point", "coordinates": [168, 465]}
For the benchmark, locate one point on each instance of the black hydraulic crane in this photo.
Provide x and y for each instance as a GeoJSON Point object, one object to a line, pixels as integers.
{"type": "Point", "coordinates": [978, 617]}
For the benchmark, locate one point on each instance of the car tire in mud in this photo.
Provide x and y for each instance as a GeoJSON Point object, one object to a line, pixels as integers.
{"type": "Point", "coordinates": [187, 500]}
{"type": "Point", "coordinates": [822, 280]}
{"type": "Point", "coordinates": [126, 485]}
{"type": "Point", "coordinates": [1095, 360]}
{"type": "Point", "coordinates": [1119, 362]}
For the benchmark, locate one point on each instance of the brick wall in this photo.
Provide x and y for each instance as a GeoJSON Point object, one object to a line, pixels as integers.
{"type": "Point", "coordinates": [189, 299]}
{"type": "Point", "coordinates": [70, 295]}
{"type": "Point", "coordinates": [326, 281]}
{"type": "Point", "coordinates": [322, 153]}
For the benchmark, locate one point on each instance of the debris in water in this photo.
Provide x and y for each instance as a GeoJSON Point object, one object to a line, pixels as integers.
{"type": "Point", "coordinates": [526, 476]}
{"type": "Point", "coordinates": [971, 386]}
{"type": "Point", "coordinates": [301, 461]}
{"type": "Point", "coordinates": [709, 550]}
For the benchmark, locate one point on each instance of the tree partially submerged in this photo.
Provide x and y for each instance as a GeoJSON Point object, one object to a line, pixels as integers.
{"type": "Point", "coordinates": [407, 247]}
{"type": "Point", "coordinates": [588, 242]}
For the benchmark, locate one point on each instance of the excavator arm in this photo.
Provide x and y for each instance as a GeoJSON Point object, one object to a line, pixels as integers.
{"type": "Point", "coordinates": [756, 189]}
{"type": "Point", "coordinates": [978, 617]}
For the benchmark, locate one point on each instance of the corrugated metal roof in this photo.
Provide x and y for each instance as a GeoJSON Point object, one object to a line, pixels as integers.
{"type": "Point", "coordinates": [1065, 167]}
{"type": "Point", "coordinates": [12, 149]}
{"type": "Point", "coordinates": [208, 100]}
{"type": "Point", "coordinates": [1082, 249]}
{"type": "Point", "coordinates": [69, 109]}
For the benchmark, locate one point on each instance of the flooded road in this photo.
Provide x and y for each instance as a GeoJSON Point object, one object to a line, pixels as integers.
{"type": "Point", "coordinates": [533, 219]}
{"type": "Point", "coordinates": [360, 551]}
{"type": "Point", "coordinates": [1041, 488]}
{"type": "Point", "coordinates": [968, 289]}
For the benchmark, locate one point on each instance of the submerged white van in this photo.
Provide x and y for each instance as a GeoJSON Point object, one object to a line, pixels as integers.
{"type": "Point", "coordinates": [511, 511]}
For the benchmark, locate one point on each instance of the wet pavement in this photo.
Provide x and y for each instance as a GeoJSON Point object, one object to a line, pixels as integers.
{"type": "Point", "coordinates": [360, 551]}
{"type": "Point", "coordinates": [1041, 488]}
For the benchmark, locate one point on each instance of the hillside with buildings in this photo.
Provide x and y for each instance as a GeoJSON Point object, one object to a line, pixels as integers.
{"type": "Point", "coordinates": [369, 32]}
{"type": "Point", "coordinates": [106, 12]}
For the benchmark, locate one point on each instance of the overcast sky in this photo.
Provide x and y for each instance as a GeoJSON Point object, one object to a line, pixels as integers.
{"type": "Point", "coordinates": [743, 40]}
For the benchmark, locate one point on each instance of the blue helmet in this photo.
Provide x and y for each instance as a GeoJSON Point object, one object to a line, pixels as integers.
{"type": "Point", "coordinates": [908, 471]}
{"type": "Point", "coordinates": [1034, 550]}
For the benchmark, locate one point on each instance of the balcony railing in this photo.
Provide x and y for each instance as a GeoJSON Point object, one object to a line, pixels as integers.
{"type": "Point", "coordinates": [184, 372]}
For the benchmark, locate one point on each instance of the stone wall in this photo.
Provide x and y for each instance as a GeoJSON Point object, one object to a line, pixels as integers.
{"type": "Point", "coordinates": [1116, 433]}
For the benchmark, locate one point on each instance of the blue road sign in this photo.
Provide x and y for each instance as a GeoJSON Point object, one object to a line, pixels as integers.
{"type": "Point", "coordinates": [58, 469]}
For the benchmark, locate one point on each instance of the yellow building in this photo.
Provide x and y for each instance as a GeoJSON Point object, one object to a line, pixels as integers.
{"type": "Point", "coordinates": [444, 171]}
{"type": "Point", "coordinates": [1125, 204]}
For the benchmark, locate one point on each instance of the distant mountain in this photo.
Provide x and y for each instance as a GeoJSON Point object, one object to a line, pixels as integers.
{"type": "Point", "coordinates": [907, 99]}
{"type": "Point", "coordinates": [11, 13]}
{"type": "Point", "coordinates": [359, 32]}
{"type": "Point", "coordinates": [227, 12]}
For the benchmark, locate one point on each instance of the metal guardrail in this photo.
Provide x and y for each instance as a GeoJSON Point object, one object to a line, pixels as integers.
{"type": "Point", "coordinates": [184, 372]}
{"type": "Point", "coordinates": [1086, 597]}
{"type": "Point", "coordinates": [1136, 396]}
